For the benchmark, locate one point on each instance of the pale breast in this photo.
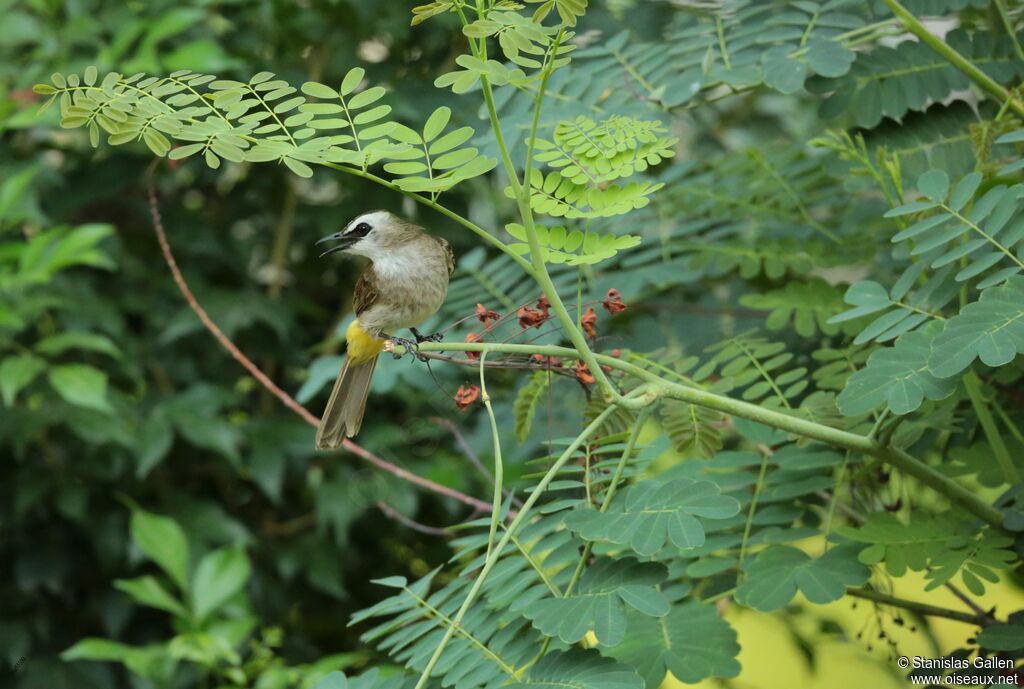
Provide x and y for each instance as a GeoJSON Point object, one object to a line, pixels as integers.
{"type": "Point", "coordinates": [412, 283]}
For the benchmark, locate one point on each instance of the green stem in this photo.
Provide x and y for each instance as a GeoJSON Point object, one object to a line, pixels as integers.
{"type": "Point", "coordinates": [1004, 16]}
{"type": "Point", "coordinates": [613, 486]}
{"type": "Point", "coordinates": [919, 608]}
{"type": "Point", "coordinates": [988, 425]}
{"type": "Point", "coordinates": [1008, 422]}
{"type": "Point", "coordinates": [987, 83]}
{"type": "Point", "coordinates": [482, 647]}
{"type": "Point", "coordinates": [541, 274]}
{"type": "Point", "coordinates": [495, 555]}
{"type": "Point", "coordinates": [750, 513]}
{"type": "Point", "coordinates": [835, 499]}
{"type": "Point", "coordinates": [787, 422]}
{"type": "Point", "coordinates": [499, 470]}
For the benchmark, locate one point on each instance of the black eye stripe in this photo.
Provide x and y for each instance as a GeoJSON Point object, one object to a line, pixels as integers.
{"type": "Point", "coordinates": [360, 230]}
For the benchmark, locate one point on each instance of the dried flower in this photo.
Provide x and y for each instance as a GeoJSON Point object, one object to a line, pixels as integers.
{"type": "Point", "coordinates": [530, 318]}
{"type": "Point", "coordinates": [550, 361]}
{"type": "Point", "coordinates": [466, 396]}
{"type": "Point", "coordinates": [486, 316]}
{"type": "Point", "coordinates": [616, 352]}
{"type": "Point", "coordinates": [614, 302]}
{"type": "Point", "coordinates": [544, 305]}
{"type": "Point", "coordinates": [473, 337]}
{"type": "Point", "coordinates": [589, 322]}
{"type": "Point", "coordinates": [583, 373]}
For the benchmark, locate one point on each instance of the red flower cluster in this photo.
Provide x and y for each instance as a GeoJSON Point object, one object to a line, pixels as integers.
{"type": "Point", "coordinates": [466, 396]}
{"type": "Point", "coordinates": [550, 361]}
{"type": "Point", "coordinates": [614, 302]}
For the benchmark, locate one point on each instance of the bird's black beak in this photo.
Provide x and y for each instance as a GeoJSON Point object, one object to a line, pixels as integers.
{"type": "Point", "coordinates": [343, 242]}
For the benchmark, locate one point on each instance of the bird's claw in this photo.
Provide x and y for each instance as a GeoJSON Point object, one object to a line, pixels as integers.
{"type": "Point", "coordinates": [435, 337]}
{"type": "Point", "coordinates": [411, 347]}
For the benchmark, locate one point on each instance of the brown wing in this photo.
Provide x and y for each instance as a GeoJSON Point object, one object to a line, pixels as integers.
{"type": "Point", "coordinates": [449, 255]}
{"type": "Point", "coordinates": [366, 291]}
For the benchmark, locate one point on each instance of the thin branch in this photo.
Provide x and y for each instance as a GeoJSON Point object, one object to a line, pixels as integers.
{"type": "Point", "coordinates": [263, 380]}
{"type": "Point", "coordinates": [391, 513]}
{"type": "Point", "coordinates": [919, 608]}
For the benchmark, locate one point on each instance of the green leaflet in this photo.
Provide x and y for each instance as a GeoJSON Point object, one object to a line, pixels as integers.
{"type": "Point", "coordinates": [81, 385]}
{"type": "Point", "coordinates": [650, 514]}
{"type": "Point", "coordinates": [334, 680]}
{"type": "Point", "coordinates": [164, 542]}
{"type": "Point", "coordinates": [568, 10]}
{"type": "Point", "coordinates": [554, 195]}
{"type": "Point", "coordinates": [588, 152]}
{"type": "Point", "coordinates": [942, 545]}
{"type": "Point", "coordinates": [526, 402]}
{"type": "Point", "coordinates": [990, 329]}
{"type": "Point", "coordinates": [580, 669]}
{"type": "Point", "coordinates": [974, 234]}
{"type": "Point", "coordinates": [937, 138]}
{"type": "Point", "coordinates": [572, 247]}
{"type": "Point", "coordinates": [810, 305]}
{"type": "Point", "coordinates": [758, 366]}
{"type": "Point", "coordinates": [897, 377]}
{"type": "Point", "coordinates": [692, 642]}
{"type": "Point", "coordinates": [692, 427]}
{"type": "Point", "coordinates": [892, 81]}
{"type": "Point", "coordinates": [775, 575]}
{"type": "Point", "coordinates": [219, 575]}
{"type": "Point", "coordinates": [16, 372]}
{"type": "Point", "coordinates": [522, 41]}
{"type": "Point", "coordinates": [148, 591]}
{"type": "Point", "coordinates": [902, 309]}
{"type": "Point", "coordinates": [487, 646]}
{"type": "Point", "coordinates": [266, 120]}
{"type": "Point", "coordinates": [1002, 637]}
{"type": "Point", "coordinates": [433, 163]}
{"type": "Point", "coordinates": [599, 602]}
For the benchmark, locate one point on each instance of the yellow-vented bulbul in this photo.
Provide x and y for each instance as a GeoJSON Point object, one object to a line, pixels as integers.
{"type": "Point", "coordinates": [405, 284]}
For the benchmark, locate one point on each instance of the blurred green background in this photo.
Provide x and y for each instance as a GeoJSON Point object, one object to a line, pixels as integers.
{"type": "Point", "coordinates": [139, 405]}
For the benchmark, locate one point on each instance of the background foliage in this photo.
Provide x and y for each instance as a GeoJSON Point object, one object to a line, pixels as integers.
{"type": "Point", "coordinates": [822, 221]}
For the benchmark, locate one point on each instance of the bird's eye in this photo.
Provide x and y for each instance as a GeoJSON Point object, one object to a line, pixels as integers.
{"type": "Point", "coordinates": [360, 230]}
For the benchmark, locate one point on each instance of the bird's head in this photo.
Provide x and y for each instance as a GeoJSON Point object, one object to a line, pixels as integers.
{"type": "Point", "coordinates": [372, 235]}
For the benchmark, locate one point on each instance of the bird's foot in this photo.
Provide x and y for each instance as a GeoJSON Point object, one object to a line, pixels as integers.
{"type": "Point", "coordinates": [435, 337]}
{"type": "Point", "coordinates": [411, 347]}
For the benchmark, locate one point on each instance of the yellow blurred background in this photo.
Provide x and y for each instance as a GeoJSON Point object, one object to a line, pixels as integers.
{"type": "Point", "coordinates": [788, 649]}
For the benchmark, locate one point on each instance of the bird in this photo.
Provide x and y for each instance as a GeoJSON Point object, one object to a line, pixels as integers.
{"type": "Point", "coordinates": [405, 283]}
